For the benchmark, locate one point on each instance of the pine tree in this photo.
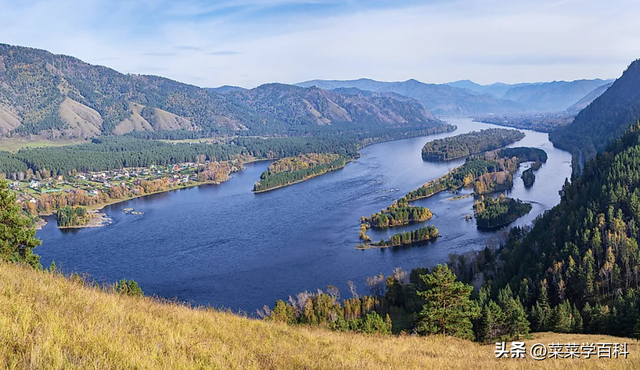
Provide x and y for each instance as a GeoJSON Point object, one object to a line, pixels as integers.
{"type": "Point", "coordinates": [17, 236]}
{"type": "Point", "coordinates": [448, 309]}
{"type": "Point", "coordinates": [516, 318]}
{"type": "Point", "coordinates": [492, 322]}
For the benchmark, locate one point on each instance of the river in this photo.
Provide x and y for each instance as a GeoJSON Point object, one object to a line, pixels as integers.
{"type": "Point", "coordinates": [223, 246]}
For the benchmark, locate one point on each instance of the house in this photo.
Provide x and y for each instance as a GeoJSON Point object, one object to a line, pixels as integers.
{"type": "Point", "coordinates": [34, 184]}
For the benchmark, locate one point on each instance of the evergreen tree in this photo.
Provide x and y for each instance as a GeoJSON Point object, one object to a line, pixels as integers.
{"type": "Point", "coordinates": [448, 309]}
{"type": "Point", "coordinates": [17, 236]}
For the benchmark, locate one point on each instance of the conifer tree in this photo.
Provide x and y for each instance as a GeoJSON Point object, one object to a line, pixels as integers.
{"type": "Point", "coordinates": [17, 236]}
{"type": "Point", "coordinates": [448, 309]}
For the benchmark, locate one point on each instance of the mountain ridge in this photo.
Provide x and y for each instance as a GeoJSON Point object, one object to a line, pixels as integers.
{"type": "Point", "coordinates": [41, 92]}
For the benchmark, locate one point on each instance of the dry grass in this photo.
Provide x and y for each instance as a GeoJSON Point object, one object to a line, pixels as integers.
{"type": "Point", "coordinates": [48, 322]}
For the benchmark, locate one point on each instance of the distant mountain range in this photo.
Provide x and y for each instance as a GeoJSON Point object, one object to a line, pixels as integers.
{"type": "Point", "coordinates": [43, 92]}
{"type": "Point", "coordinates": [465, 98]}
{"type": "Point", "coordinates": [605, 119]}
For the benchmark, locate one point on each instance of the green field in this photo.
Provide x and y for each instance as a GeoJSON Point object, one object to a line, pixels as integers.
{"type": "Point", "coordinates": [14, 144]}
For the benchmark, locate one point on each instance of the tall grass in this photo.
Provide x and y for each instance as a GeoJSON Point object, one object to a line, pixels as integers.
{"type": "Point", "coordinates": [50, 322]}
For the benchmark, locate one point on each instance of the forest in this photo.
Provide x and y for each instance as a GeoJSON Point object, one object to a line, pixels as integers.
{"type": "Point", "coordinates": [422, 302]}
{"type": "Point", "coordinates": [397, 214]}
{"type": "Point", "coordinates": [290, 170]}
{"type": "Point", "coordinates": [577, 269]}
{"type": "Point", "coordinates": [112, 152]}
{"type": "Point", "coordinates": [464, 145]}
{"type": "Point", "coordinates": [494, 213]}
{"type": "Point", "coordinates": [68, 216]}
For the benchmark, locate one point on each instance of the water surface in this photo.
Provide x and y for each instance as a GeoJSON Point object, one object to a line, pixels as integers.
{"type": "Point", "coordinates": [222, 245]}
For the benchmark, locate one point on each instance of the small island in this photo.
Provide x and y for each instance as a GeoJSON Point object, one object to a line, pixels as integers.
{"type": "Point", "coordinates": [290, 170]}
{"type": "Point", "coordinates": [69, 217]}
{"type": "Point", "coordinates": [418, 236]}
{"type": "Point", "coordinates": [528, 177]}
{"type": "Point", "coordinates": [494, 213]}
{"type": "Point", "coordinates": [398, 214]}
{"type": "Point", "coordinates": [464, 145]}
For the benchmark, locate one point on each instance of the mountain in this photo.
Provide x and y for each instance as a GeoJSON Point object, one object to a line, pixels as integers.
{"type": "Point", "coordinates": [225, 89]}
{"type": "Point", "coordinates": [552, 96]}
{"type": "Point", "coordinates": [542, 96]}
{"type": "Point", "coordinates": [442, 100]}
{"type": "Point", "coordinates": [497, 89]}
{"type": "Point", "coordinates": [295, 106]}
{"type": "Point", "coordinates": [67, 97]}
{"type": "Point", "coordinates": [74, 325]}
{"type": "Point", "coordinates": [606, 118]}
{"type": "Point", "coordinates": [582, 103]}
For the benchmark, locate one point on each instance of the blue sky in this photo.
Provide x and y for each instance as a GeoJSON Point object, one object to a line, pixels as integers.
{"type": "Point", "coordinates": [250, 42]}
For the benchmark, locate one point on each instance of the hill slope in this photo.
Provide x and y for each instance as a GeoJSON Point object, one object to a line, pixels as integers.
{"type": "Point", "coordinates": [439, 99]}
{"type": "Point", "coordinates": [552, 96]}
{"type": "Point", "coordinates": [584, 102]}
{"type": "Point", "coordinates": [42, 91]}
{"type": "Point", "coordinates": [605, 118]}
{"type": "Point", "coordinates": [47, 321]}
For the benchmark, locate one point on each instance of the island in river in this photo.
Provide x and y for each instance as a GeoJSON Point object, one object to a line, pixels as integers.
{"type": "Point", "coordinates": [494, 213]}
{"type": "Point", "coordinates": [464, 145]}
{"type": "Point", "coordinates": [421, 235]}
{"type": "Point", "coordinates": [292, 170]}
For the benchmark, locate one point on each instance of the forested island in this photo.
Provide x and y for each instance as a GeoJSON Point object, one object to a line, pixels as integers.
{"type": "Point", "coordinates": [421, 235]}
{"type": "Point", "coordinates": [291, 170]}
{"type": "Point", "coordinates": [398, 214]}
{"type": "Point", "coordinates": [68, 216]}
{"type": "Point", "coordinates": [488, 172]}
{"type": "Point", "coordinates": [528, 177]}
{"type": "Point", "coordinates": [494, 213]}
{"type": "Point", "coordinates": [475, 142]}
{"type": "Point", "coordinates": [543, 122]}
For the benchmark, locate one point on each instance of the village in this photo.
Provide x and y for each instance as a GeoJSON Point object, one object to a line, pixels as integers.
{"type": "Point", "coordinates": [95, 183]}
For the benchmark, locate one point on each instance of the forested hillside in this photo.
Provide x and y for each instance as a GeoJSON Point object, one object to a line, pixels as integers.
{"type": "Point", "coordinates": [605, 119]}
{"type": "Point", "coordinates": [64, 96]}
{"type": "Point", "coordinates": [578, 268]}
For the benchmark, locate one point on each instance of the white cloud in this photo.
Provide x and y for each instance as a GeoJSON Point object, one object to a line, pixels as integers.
{"type": "Point", "coordinates": [487, 41]}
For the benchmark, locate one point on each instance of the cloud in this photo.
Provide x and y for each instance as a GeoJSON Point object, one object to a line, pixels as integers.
{"type": "Point", "coordinates": [290, 41]}
{"type": "Point", "coordinates": [186, 47]}
{"type": "Point", "coordinates": [158, 54]}
{"type": "Point", "coordinates": [224, 53]}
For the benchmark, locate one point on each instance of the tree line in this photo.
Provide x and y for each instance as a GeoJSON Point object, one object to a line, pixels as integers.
{"type": "Point", "coordinates": [464, 145]}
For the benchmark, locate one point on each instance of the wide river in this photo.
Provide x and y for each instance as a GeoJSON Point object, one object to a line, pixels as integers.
{"type": "Point", "coordinates": [223, 246]}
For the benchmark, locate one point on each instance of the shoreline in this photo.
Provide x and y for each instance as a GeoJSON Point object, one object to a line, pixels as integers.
{"type": "Point", "coordinates": [96, 208]}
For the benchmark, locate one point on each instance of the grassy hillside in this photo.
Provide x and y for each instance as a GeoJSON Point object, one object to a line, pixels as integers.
{"type": "Point", "coordinates": [47, 321]}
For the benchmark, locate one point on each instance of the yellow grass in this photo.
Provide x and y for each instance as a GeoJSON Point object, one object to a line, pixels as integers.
{"type": "Point", "coordinates": [49, 322]}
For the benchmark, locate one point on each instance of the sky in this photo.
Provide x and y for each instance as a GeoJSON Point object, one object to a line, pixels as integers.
{"type": "Point", "coordinates": [249, 42]}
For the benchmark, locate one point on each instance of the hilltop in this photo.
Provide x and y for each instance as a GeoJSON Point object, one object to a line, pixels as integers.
{"type": "Point", "coordinates": [49, 321]}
